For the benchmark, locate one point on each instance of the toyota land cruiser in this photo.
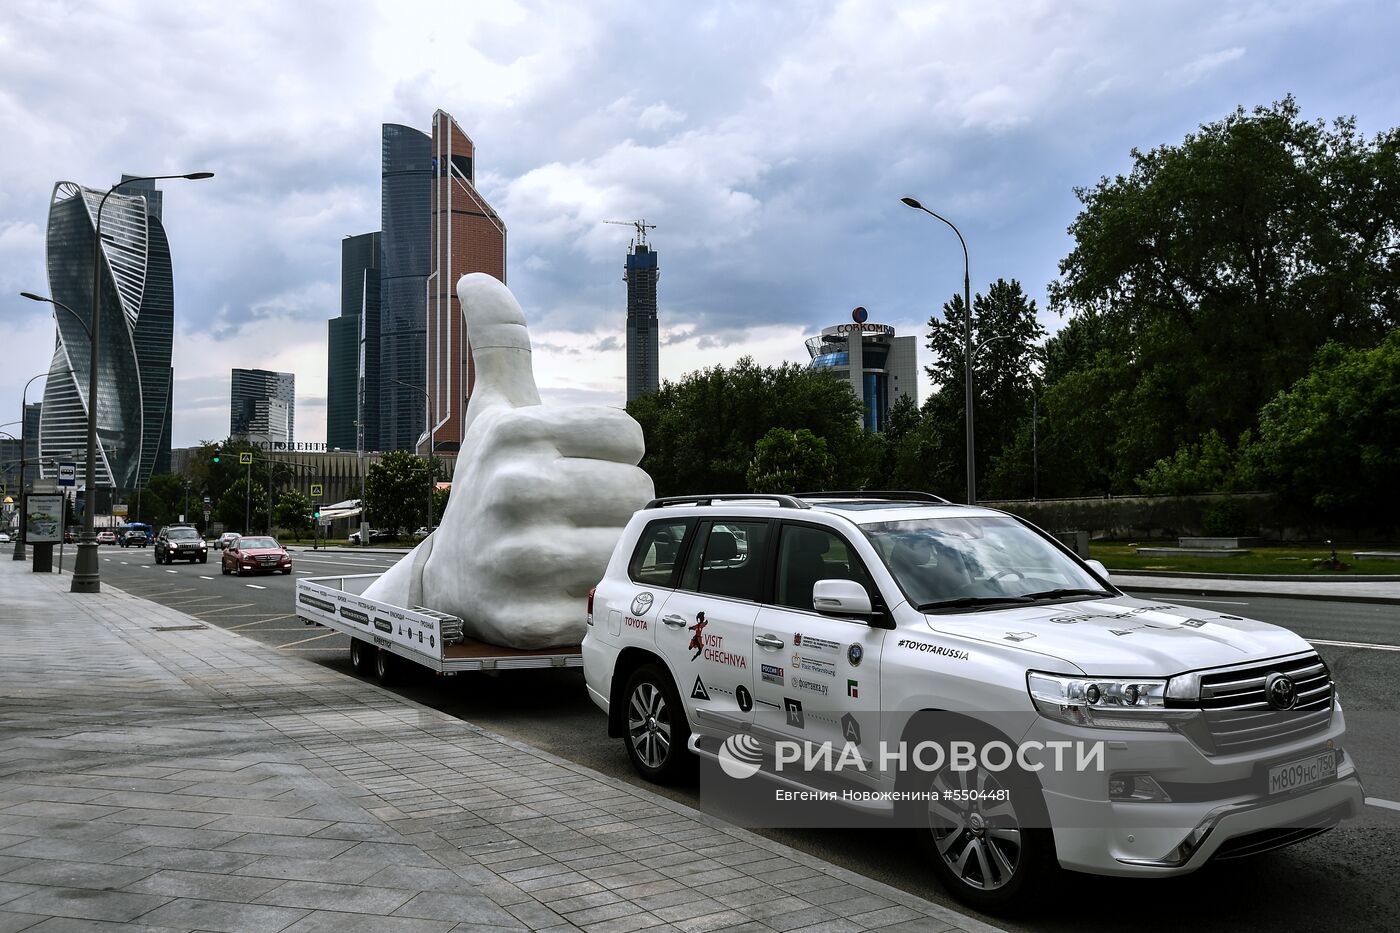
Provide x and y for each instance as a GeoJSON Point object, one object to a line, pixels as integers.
{"type": "Point", "coordinates": [900, 617]}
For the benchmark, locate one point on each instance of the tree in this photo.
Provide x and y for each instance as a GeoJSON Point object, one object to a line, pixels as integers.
{"type": "Point", "coordinates": [293, 512]}
{"type": "Point", "coordinates": [1211, 465]}
{"type": "Point", "coordinates": [396, 489]}
{"type": "Point", "coordinates": [789, 461]}
{"type": "Point", "coordinates": [701, 432]}
{"type": "Point", "coordinates": [440, 497]}
{"type": "Point", "coordinates": [1332, 440]}
{"type": "Point", "coordinates": [1210, 273]}
{"type": "Point", "coordinates": [236, 503]}
{"type": "Point", "coordinates": [904, 419]}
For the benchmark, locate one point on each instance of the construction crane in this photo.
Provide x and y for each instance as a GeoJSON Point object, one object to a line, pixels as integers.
{"type": "Point", "coordinates": [641, 226]}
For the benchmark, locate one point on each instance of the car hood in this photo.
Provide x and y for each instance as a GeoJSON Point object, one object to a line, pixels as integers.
{"type": "Point", "coordinates": [1125, 636]}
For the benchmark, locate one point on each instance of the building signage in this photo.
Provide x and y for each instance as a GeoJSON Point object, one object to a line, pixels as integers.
{"type": "Point", "coordinates": [308, 447]}
{"type": "Point", "coordinates": [885, 329]}
{"type": "Point", "coordinates": [43, 519]}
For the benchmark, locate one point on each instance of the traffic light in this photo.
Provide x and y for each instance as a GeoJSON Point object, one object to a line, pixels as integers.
{"type": "Point", "coordinates": [216, 453]}
{"type": "Point", "coordinates": [316, 514]}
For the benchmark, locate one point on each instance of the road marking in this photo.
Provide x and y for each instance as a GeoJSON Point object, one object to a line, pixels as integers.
{"type": "Point", "coordinates": [1383, 804]}
{"type": "Point", "coordinates": [192, 600]}
{"type": "Point", "coordinates": [254, 586]}
{"type": "Point", "coordinates": [227, 608]}
{"type": "Point", "coordinates": [1353, 644]}
{"type": "Point", "coordinates": [168, 571]}
{"type": "Point", "coordinates": [303, 571]}
{"type": "Point", "coordinates": [203, 577]}
{"type": "Point", "coordinates": [123, 562]}
{"type": "Point", "coordinates": [261, 621]}
{"type": "Point", "coordinates": [305, 640]}
{"type": "Point", "coordinates": [107, 559]}
{"type": "Point", "coordinates": [315, 647]}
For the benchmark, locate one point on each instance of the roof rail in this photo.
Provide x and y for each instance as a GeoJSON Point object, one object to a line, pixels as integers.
{"type": "Point", "coordinates": [786, 502]}
{"type": "Point", "coordinates": [891, 494]}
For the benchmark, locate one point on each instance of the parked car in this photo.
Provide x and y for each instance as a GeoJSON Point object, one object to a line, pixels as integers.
{"type": "Point", "coordinates": [253, 553]}
{"type": "Point", "coordinates": [373, 536]}
{"type": "Point", "coordinates": [225, 539]}
{"type": "Point", "coordinates": [4, 537]}
{"type": "Point", "coordinates": [745, 631]}
{"type": "Point", "coordinates": [422, 532]}
{"type": "Point", "coordinates": [181, 542]}
{"type": "Point", "coordinates": [106, 536]}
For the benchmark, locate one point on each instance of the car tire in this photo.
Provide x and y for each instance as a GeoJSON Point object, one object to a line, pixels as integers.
{"type": "Point", "coordinates": [997, 856]}
{"type": "Point", "coordinates": [362, 657]}
{"type": "Point", "coordinates": [388, 668]}
{"type": "Point", "coordinates": [223, 568]}
{"type": "Point", "coordinates": [655, 729]}
{"type": "Point", "coordinates": [287, 572]}
{"type": "Point", "coordinates": [204, 558]}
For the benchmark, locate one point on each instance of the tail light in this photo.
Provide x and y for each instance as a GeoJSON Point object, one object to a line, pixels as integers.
{"type": "Point", "coordinates": [592, 591]}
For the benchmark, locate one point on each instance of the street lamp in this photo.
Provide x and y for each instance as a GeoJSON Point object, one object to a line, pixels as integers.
{"type": "Point", "coordinates": [85, 567]}
{"type": "Point", "coordinates": [967, 352]}
{"type": "Point", "coordinates": [432, 443]}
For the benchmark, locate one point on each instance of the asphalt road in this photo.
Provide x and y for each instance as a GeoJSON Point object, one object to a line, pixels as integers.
{"type": "Point", "coordinates": [1347, 879]}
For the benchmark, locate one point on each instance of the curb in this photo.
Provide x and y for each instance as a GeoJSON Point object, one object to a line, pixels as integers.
{"type": "Point", "coordinates": [1270, 594]}
{"type": "Point", "coordinates": [1272, 578]}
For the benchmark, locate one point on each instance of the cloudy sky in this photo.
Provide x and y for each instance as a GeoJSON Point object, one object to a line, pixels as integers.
{"type": "Point", "coordinates": [769, 142]}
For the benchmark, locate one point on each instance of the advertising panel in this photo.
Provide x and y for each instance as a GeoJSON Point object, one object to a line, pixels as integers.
{"type": "Point", "coordinates": [43, 519]}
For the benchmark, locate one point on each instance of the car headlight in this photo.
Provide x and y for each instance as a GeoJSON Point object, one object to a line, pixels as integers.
{"type": "Point", "coordinates": [1104, 702]}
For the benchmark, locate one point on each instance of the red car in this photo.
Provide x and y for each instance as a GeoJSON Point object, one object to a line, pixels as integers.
{"type": "Point", "coordinates": [252, 553]}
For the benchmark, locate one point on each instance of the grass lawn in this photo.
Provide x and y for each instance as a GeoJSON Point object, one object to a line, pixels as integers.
{"type": "Point", "coordinates": [1269, 560]}
{"type": "Point", "coordinates": [344, 542]}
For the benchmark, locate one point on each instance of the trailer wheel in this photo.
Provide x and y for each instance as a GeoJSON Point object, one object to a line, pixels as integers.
{"type": "Point", "coordinates": [362, 657]}
{"type": "Point", "coordinates": [387, 667]}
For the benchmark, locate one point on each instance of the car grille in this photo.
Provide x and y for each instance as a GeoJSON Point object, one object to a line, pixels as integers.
{"type": "Point", "coordinates": [1236, 711]}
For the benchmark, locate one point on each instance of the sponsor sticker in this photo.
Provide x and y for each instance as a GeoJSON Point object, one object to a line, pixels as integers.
{"type": "Point", "coordinates": [743, 698]}
{"type": "Point", "coordinates": [812, 643]}
{"type": "Point", "coordinates": [771, 674]}
{"type": "Point", "coordinates": [815, 686]}
{"type": "Point", "coordinates": [698, 691]}
{"type": "Point", "coordinates": [793, 709]}
{"type": "Point", "coordinates": [853, 689]}
{"type": "Point", "coordinates": [813, 665]}
{"type": "Point", "coordinates": [1019, 636]}
{"type": "Point", "coordinates": [855, 654]}
{"type": "Point", "coordinates": [928, 647]}
{"type": "Point", "coordinates": [633, 622]}
{"type": "Point", "coordinates": [850, 728]}
{"type": "Point", "coordinates": [711, 647]}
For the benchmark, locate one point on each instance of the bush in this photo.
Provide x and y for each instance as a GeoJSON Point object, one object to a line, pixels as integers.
{"type": "Point", "coordinates": [1227, 518]}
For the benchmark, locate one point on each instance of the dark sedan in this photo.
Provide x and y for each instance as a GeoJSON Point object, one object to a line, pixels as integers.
{"type": "Point", "coordinates": [250, 554]}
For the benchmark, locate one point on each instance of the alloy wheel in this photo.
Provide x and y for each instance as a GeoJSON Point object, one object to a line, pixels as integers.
{"type": "Point", "coordinates": [649, 724]}
{"type": "Point", "coordinates": [979, 839]}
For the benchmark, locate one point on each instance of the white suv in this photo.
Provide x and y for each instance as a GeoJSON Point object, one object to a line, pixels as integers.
{"type": "Point", "coordinates": [731, 625]}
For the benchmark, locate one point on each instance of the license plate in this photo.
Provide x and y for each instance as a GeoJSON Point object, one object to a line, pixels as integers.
{"type": "Point", "coordinates": [1302, 773]}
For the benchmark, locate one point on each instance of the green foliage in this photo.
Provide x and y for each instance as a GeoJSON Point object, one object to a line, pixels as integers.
{"type": "Point", "coordinates": [1211, 465]}
{"type": "Point", "coordinates": [1227, 518]}
{"type": "Point", "coordinates": [293, 512]}
{"type": "Point", "coordinates": [238, 502]}
{"type": "Point", "coordinates": [701, 432]}
{"type": "Point", "coordinates": [440, 497]}
{"type": "Point", "coordinates": [396, 491]}
{"type": "Point", "coordinates": [789, 461]}
{"type": "Point", "coordinates": [1201, 283]}
{"type": "Point", "coordinates": [1332, 440]}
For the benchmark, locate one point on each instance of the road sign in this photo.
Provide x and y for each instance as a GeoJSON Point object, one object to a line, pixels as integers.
{"type": "Point", "coordinates": [317, 490]}
{"type": "Point", "coordinates": [206, 516]}
{"type": "Point", "coordinates": [67, 474]}
{"type": "Point", "coordinates": [207, 502]}
{"type": "Point", "coordinates": [119, 508]}
{"type": "Point", "coordinates": [245, 457]}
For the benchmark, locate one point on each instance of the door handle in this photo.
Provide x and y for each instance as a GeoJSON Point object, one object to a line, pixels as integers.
{"type": "Point", "coordinates": [674, 621]}
{"type": "Point", "coordinates": [769, 641]}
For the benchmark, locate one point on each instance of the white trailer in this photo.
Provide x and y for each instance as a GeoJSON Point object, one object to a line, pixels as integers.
{"type": "Point", "coordinates": [384, 636]}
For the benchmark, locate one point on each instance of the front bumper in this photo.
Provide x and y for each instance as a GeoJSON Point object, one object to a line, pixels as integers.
{"type": "Point", "coordinates": [1219, 805]}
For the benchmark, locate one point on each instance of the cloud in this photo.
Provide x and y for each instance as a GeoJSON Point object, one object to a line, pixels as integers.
{"type": "Point", "coordinates": [1195, 70]}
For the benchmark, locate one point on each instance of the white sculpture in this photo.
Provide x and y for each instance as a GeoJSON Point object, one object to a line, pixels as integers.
{"type": "Point", "coordinates": [539, 496]}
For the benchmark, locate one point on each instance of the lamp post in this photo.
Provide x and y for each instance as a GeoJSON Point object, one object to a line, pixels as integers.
{"type": "Point", "coordinates": [432, 444]}
{"type": "Point", "coordinates": [967, 352]}
{"type": "Point", "coordinates": [85, 567]}
{"type": "Point", "coordinates": [23, 451]}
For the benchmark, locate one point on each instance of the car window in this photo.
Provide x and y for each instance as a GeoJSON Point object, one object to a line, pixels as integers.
{"type": "Point", "coordinates": [654, 561]}
{"type": "Point", "coordinates": [806, 555]}
{"type": "Point", "coordinates": [183, 533]}
{"type": "Point", "coordinates": [247, 543]}
{"type": "Point", "coordinates": [729, 561]}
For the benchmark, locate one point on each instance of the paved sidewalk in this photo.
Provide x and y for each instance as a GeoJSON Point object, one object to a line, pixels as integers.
{"type": "Point", "coordinates": [158, 774]}
{"type": "Point", "coordinates": [1341, 589]}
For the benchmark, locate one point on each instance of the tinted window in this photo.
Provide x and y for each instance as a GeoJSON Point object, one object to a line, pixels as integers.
{"type": "Point", "coordinates": [806, 555]}
{"type": "Point", "coordinates": [655, 559]}
{"type": "Point", "coordinates": [182, 534]}
{"type": "Point", "coordinates": [246, 544]}
{"type": "Point", "coordinates": [730, 562]}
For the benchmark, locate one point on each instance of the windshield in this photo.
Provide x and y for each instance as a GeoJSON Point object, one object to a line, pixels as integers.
{"type": "Point", "coordinates": [245, 544]}
{"type": "Point", "coordinates": [963, 562]}
{"type": "Point", "coordinates": [182, 534]}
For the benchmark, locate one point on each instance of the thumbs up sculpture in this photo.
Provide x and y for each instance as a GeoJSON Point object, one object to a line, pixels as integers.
{"type": "Point", "coordinates": [539, 496]}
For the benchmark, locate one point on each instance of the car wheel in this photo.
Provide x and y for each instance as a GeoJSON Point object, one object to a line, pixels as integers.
{"type": "Point", "coordinates": [223, 567]}
{"type": "Point", "coordinates": [362, 657]}
{"type": "Point", "coordinates": [656, 728]}
{"type": "Point", "coordinates": [994, 852]}
{"type": "Point", "coordinates": [204, 558]}
{"type": "Point", "coordinates": [240, 570]}
{"type": "Point", "coordinates": [287, 572]}
{"type": "Point", "coordinates": [388, 668]}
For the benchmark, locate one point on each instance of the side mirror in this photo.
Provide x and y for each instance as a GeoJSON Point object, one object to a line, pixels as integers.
{"type": "Point", "coordinates": [840, 598]}
{"type": "Point", "coordinates": [1098, 568]}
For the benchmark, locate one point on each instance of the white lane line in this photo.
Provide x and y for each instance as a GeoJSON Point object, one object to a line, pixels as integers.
{"type": "Point", "coordinates": [1383, 804]}
{"type": "Point", "coordinates": [305, 640]}
{"type": "Point", "coordinates": [254, 586]}
{"type": "Point", "coordinates": [261, 621]}
{"type": "Point", "coordinates": [210, 612]}
{"type": "Point", "coordinates": [168, 571]}
{"type": "Point", "coordinates": [203, 577]}
{"type": "Point", "coordinates": [107, 559]}
{"type": "Point", "coordinates": [123, 562]}
{"type": "Point", "coordinates": [1354, 644]}
{"type": "Point", "coordinates": [303, 571]}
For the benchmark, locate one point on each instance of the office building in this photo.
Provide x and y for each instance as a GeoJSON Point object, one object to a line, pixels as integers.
{"type": "Point", "coordinates": [466, 236]}
{"type": "Point", "coordinates": [352, 370]}
{"type": "Point", "coordinates": [12, 457]}
{"type": "Point", "coordinates": [643, 342]}
{"type": "Point", "coordinates": [880, 366]}
{"type": "Point", "coordinates": [137, 312]}
{"type": "Point", "coordinates": [405, 248]}
{"type": "Point", "coordinates": [262, 406]}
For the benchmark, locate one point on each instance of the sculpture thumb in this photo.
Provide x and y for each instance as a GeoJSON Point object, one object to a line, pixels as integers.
{"type": "Point", "coordinates": [500, 345]}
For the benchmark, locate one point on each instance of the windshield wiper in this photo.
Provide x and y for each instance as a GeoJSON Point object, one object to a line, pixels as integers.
{"type": "Point", "coordinates": [1051, 594]}
{"type": "Point", "coordinates": [967, 602]}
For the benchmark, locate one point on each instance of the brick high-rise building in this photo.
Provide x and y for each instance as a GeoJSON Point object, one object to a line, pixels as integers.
{"type": "Point", "coordinates": [467, 236]}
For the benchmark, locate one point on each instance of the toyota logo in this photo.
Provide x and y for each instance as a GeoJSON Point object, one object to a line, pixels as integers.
{"type": "Point", "coordinates": [1280, 691]}
{"type": "Point", "coordinates": [641, 604]}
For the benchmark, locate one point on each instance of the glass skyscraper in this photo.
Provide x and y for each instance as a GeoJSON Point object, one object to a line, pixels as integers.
{"type": "Point", "coordinates": [643, 341]}
{"type": "Point", "coordinates": [404, 264]}
{"type": "Point", "coordinates": [136, 304]}
{"type": "Point", "coordinates": [352, 371]}
{"type": "Point", "coordinates": [262, 406]}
